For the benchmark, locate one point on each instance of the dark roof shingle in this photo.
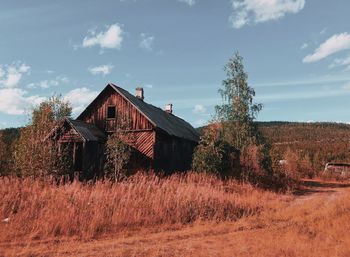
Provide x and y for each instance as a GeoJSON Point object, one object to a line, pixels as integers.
{"type": "Point", "coordinates": [171, 124]}
{"type": "Point", "coordinates": [88, 131]}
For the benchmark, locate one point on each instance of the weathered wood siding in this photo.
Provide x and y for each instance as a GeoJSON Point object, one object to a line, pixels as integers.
{"type": "Point", "coordinates": [172, 154]}
{"type": "Point", "coordinates": [144, 142]}
{"type": "Point", "coordinates": [97, 113]}
{"type": "Point", "coordinates": [69, 135]}
{"type": "Point", "coordinates": [143, 135]}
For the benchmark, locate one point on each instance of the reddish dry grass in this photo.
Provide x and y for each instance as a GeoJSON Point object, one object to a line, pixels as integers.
{"type": "Point", "coordinates": [334, 176]}
{"type": "Point", "coordinates": [314, 224]}
{"type": "Point", "coordinates": [41, 210]}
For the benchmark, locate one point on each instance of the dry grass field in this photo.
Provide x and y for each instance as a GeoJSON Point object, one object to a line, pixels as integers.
{"type": "Point", "coordinates": [191, 215]}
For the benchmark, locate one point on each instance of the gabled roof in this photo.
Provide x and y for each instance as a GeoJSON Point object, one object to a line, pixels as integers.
{"type": "Point", "coordinates": [88, 132]}
{"type": "Point", "coordinates": [169, 123]}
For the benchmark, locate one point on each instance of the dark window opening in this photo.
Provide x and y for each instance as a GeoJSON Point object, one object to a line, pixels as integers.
{"type": "Point", "coordinates": [111, 112]}
{"type": "Point", "coordinates": [78, 157]}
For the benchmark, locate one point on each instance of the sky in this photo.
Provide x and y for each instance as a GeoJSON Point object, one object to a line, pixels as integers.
{"type": "Point", "coordinates": [296, 54]}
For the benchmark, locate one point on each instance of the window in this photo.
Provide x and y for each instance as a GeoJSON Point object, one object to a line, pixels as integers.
{"type": "Point", "coordinates": [111, 112]}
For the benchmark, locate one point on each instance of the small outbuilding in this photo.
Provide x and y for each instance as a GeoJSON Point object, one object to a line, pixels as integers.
{"type": "Point", "coordinates": [337, 168]}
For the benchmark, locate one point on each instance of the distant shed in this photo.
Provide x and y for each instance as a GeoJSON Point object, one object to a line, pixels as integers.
{"type": "Point", "coordinates": [338, 168]}
{"type": "Point", "coordinates": [85, 142]}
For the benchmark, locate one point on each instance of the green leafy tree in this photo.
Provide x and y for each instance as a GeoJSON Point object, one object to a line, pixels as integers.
{"type": "Point", "coordinates": [236, 116]}
{"type": "Point", "coordinates": [33, 157]}
{"type": "Point", "coordinates": [238, 111]}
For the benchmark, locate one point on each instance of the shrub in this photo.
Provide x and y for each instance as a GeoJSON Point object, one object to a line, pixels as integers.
{"type": "Point", "coordinates": [214, 155]}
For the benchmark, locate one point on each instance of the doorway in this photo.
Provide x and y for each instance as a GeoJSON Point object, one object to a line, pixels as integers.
{"type": "Point", "coordinates": [78, 157]}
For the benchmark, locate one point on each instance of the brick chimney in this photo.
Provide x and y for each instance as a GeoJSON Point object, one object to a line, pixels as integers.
{"type": "Point", "coordinates": [139, 93]}
{"type": "Point", "coordinates": [169, 108]}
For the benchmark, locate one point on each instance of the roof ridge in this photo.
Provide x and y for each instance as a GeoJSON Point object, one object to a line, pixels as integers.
{"type": "Point", "coordinates": [169, 123]}
{"type": "Point", "coordinates": [119, 90]}
{"type": "Point", "coordinates": [173, 115]}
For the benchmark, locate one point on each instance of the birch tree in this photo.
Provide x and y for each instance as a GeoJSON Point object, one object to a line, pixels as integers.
{"type": "Point", "coordinates": [238, 110]}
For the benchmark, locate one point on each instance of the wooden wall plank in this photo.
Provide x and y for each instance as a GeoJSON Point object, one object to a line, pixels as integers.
{"type": "Point", "coordinates": [97, 114]}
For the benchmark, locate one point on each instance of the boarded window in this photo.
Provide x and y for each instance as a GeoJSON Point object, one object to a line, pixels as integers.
{"type": "Point", "coordinates": [111, 112]}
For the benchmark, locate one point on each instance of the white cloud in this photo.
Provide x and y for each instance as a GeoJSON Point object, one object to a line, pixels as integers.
{"type": "Point", "coordinates": [341, 62]}
{"type": "Point", "coordinates": [44, 84]}
{"type": "Point", "coordinates": [111, 38]}
{"type": "Point", "coordinates": [2, 72]}
{"type": "Point", "coordinates": [79, 98]}
{"type": "Point", "coordinates": [304, 46]}
{"type": "Point", "coordinates": [15, 101]}
{"type": "Point", "coordinates": [189, 2]}
{"type": "Point", "coordinates": [146, 42]}
{"type": "Point", "coordinates": [103, 70]}
{"type": "Point", "coordinates": [10, 75]}
{"type": "Point", "coordinates": [23, 68]}
{"type": "Point", "coordinates": [149, 86]}
{"type": "Point", "coordinates": [199, 108]}
{"type": "Point", "coordinates": [331, 46]}
{"type": "Point", "coordinates": [256, 11]}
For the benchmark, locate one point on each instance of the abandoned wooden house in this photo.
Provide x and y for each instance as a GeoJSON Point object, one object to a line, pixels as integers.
{"type": "Point", "coordinates": [161, 140]}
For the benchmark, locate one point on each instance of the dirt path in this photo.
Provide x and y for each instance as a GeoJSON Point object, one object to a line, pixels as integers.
{"type": "Point", "coordinates": [312, 189]}
{"type": "Point", "coordinates": [252, 236]}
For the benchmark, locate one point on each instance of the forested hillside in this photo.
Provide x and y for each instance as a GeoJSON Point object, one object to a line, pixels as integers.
{"type": "Point", "coordinates": [318, 143]}
{"type": "Point", "coordinates": [285, 132]}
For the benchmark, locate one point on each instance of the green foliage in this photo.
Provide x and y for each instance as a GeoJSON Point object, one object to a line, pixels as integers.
{"type": "Point", "coordinates": [213, 154]}
{"type": "Point", "coordinates": [237, 114]}
{"type": "Point", "coordinates": [238, 111]}
{"type": "Point", "coordinates": [50, 112]}
{"type": "Point", "coordinates": [237, 129]}
{"type": "Point", "coordinates": [36, 158]}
